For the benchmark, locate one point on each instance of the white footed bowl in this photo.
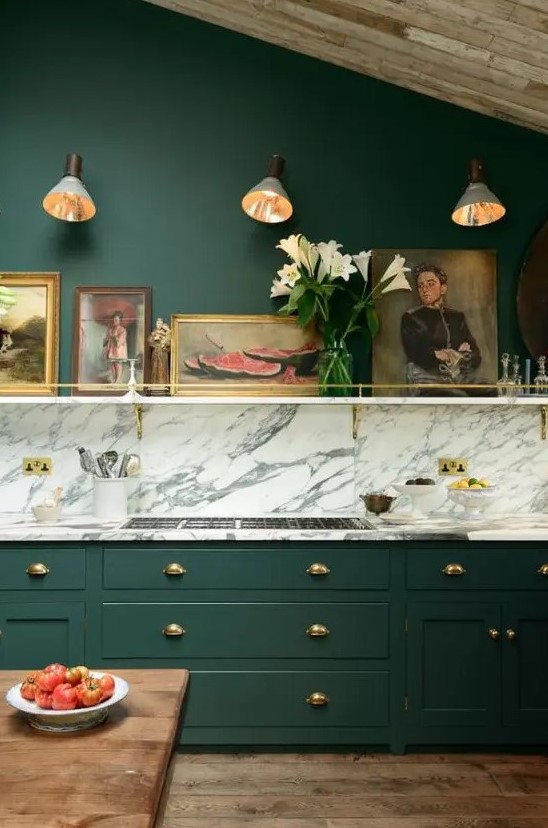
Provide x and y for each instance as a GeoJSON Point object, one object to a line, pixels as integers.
{"type": "Point", "coordinates": [423, 498]}
{"type": "Point", "coordinates": [473, 501]}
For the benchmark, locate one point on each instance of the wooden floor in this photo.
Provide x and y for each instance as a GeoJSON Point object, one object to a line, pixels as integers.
{"type": "Point", "coordinates": [358, 791]}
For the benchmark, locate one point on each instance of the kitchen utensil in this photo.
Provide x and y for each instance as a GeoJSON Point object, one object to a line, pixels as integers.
{"type": "Point", "coordinates": [133, 466]}
{"type": "Point", "coordinates": [122, 468]}
{"type": "Point", "coordinates": [111, 458]}
{"type": "Point", "coordinates": [46, 514]}
{"type": "Point", "coordinates": [57, 495]}
{"type": "Point", "coordinates": [103, 466]}
{"type": "Point", "coordinates": [377, 502]}
{"type": "Point", "coordinates": [87, 463]}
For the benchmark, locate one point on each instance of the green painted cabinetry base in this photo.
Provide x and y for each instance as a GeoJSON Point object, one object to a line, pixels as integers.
{"type": "Point", "coordinates": [352, 645]}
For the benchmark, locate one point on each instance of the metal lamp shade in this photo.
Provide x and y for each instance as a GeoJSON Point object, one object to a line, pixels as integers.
{"type": "Point", "coordinates": [477, 205]}
{"type": "Point", "coordinates": [268, 201]}
{"type": "Point", "coordinates": [69, 200]}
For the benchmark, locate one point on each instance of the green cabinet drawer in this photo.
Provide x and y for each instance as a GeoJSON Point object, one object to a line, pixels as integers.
{"type": "Point", "coordinates": [278, 567]}
{"type": "Point", "coordinates": [261, 699]}
{"type": "Point", "coordinates": [40, 569]}
{"type": "Point", "coordinates": [245, 631]}
{"type": "Point", "coordinates": [477, 568]}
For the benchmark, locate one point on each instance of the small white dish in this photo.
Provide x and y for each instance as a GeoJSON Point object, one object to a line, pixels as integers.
{"type": "Point", "coordinates": [66, 721]}
{"type": "Point", "coordinates": [46, 514]}
{"type": "Point", "coordinates": [424, 498]}
{"type": "Point", "coordinates": [401, 518]}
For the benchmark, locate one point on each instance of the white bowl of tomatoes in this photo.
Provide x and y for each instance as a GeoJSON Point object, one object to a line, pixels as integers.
{"type": "Point", "coordinates": [64, 699]}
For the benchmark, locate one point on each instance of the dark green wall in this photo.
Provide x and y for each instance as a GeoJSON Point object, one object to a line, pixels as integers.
{"type": "Point", "coordinates": [176, 119]}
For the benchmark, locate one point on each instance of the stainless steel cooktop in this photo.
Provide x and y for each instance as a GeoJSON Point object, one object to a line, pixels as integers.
{"type": "Point", "coordinates": [247, 523]}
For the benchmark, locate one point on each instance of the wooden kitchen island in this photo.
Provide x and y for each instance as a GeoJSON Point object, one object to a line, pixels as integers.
{"type": "Point", "coordinates": [112, 775]}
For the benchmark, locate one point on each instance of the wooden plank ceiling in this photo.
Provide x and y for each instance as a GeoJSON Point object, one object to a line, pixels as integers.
{"type": "Point", "coordinates": [490, 56]}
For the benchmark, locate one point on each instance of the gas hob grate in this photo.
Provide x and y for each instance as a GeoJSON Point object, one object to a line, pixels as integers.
{"type": "Point", "coordinates": [312, 523]}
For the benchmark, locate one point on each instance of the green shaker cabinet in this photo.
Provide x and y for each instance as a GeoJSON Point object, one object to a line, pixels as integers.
{"type": "Point", "coordinates": [355, 644]}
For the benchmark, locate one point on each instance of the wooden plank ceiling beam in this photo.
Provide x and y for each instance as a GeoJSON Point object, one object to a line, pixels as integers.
{"type": "Point", "coordinates": [490, 56]}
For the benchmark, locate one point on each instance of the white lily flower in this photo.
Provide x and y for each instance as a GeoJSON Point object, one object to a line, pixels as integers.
{"type": "Point", "coordinates": [3, 312]}
{"type": "Point", "coordinates": [361, 260]}
{"type": "Point", "coordinates": [279, 289]}
{"type": "Point", "coordinates": [398, 283]}
{"type": "Point", "coordinates": [341, 266]}
{"type": "Point", "coordinates": [306, 254]}
{"type": "Point", "coordinates": [291, 247]}
{"type": "Point", "coordinates": [394, 268]}
{"type": "Point", "coordinates": [289, 275]}
{"type": "Point", "coordinates": [326, 251]}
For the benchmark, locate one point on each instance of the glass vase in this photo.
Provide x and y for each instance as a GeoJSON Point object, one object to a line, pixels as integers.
{"type": "Point", "coordinates": [335, 366]}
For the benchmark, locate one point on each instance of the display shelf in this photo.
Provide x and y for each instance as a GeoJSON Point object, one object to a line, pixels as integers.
{"type": "Point", "coordinates": [135, 398]}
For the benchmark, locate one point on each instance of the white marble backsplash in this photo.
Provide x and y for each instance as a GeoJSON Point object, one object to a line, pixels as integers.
{"type": "Point", "coordinates": [256, 459]}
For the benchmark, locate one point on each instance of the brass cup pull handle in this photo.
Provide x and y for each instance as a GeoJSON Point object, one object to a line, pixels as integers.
{"type": "Point", "coordinates": [494, 633]}
{"type": "Point", "coordinates": [543, 570]}
{"type": "Point", "coordinates": [37, 570]}
{"type": "Point", "coordinates": [454, 569]}
{"type": "Point", "coordinates": [317, 699]}
{"type": "Point", "coordinates": [173, 630]}
{"type": "Point", "coordinates": [174, 569]}
{"type": "Point", "coordinates": [317, 631]}
{"type": "Point", "coordinates": [511, 634]}
{"type": "Point", "coordinates": [318, 569]}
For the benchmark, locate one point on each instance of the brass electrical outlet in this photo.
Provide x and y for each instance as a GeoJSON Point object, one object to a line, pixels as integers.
{"type": "Point", "coordinates": [37, 465]}
{"type": "Point", "coordinates": [454, 466]}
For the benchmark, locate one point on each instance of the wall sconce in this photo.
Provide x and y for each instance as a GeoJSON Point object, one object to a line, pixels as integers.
{"type": "Point", "coordinates": [477, 205]}
{"type": "Point", "coordinates": [69, 200]}
{"type": "Point", "coordinates": [268, 201]}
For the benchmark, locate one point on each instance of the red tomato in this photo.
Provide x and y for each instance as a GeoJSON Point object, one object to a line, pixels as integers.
{"type": "Point", "coordinates": [64, 697]}
{"type": "Point", "coordinates": [74, 675]}
{"type": "Point", "coordinates": [28, 687]}
{"type": "Point", "coordinates": [43, 699]}
{"type": "Point", "coordinates": [89, 693]}
{"type": "Point", "coordinates": [106, 683]}
{"type": "Point", "coordinates": [51, 676]}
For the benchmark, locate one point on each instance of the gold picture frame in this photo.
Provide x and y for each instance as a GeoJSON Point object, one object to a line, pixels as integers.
{"type": "Point", "coordinates": [233, 355]}
{"type": "Point", "coordinates": [29, 335]}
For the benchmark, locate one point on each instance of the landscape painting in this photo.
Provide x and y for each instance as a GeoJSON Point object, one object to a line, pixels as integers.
{"type": "Point", "coordinates": [439, 338]}
{"type": "Point", "coordinates": [243, 355]}
{"type": "Point", "coordinates": [29, 333]}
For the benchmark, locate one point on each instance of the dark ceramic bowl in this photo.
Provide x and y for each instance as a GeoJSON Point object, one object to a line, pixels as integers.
{"type": "Point", "coordinates": [377, 502]}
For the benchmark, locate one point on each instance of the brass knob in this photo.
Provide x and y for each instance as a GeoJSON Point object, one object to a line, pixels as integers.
{"type": "Point", "coordinates": [317, 631]}
{"type": "Point", "coordinates": [37, 570]}
{"type": "Point", "coordinates": [494, 633]}
{"type": "Point", "coordinates": [317, 699]}
{"type": "Point", "coordinates": [543, 570]}
{"type": "Point", "coordinates": [174, 569]}
{"type": "Point", "coordinates": [454, 569]}
{"type": "Point", "coordinates": [510, 634]}
{"type": "Point", "coordinates": [174, 630]}
{"type": "Point", "coordinates": [318, 569]}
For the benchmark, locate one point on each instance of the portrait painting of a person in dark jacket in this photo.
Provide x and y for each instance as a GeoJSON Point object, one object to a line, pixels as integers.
{"type": "Point", "coordinates": [436, 338]}
{"type": "Point", "coordinates": [440, 338]}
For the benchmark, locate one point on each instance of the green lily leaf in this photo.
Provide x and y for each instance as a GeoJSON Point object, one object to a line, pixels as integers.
{"type": "Point", "coordinates": [306, 308]}
{"type": "Point", "coordinates": [372, 320]}
{"type": "Point", "coordinates": [296, 294]}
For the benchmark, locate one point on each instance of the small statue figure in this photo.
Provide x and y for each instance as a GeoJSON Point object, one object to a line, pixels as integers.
{"type": "Point", "coordinates": [160, 341]}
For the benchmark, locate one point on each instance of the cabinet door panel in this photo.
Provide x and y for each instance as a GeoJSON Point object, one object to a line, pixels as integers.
{"type": "Point", "coordinates": [245, 631]}
{"type": "Point", "coordinates": [65, 568]}
{"type": "Point", "coordinates": [270, 699]}
{"type": "Point", "coordinates": [525, 663]}
{"type": "Point", "coordinates": [34, 635]}
{"type": "Point", "coordinates": [453, 664]}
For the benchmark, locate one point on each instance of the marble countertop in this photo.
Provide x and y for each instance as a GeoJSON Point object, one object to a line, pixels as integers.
{"type": "Point", "coordinates": [84, 528]}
